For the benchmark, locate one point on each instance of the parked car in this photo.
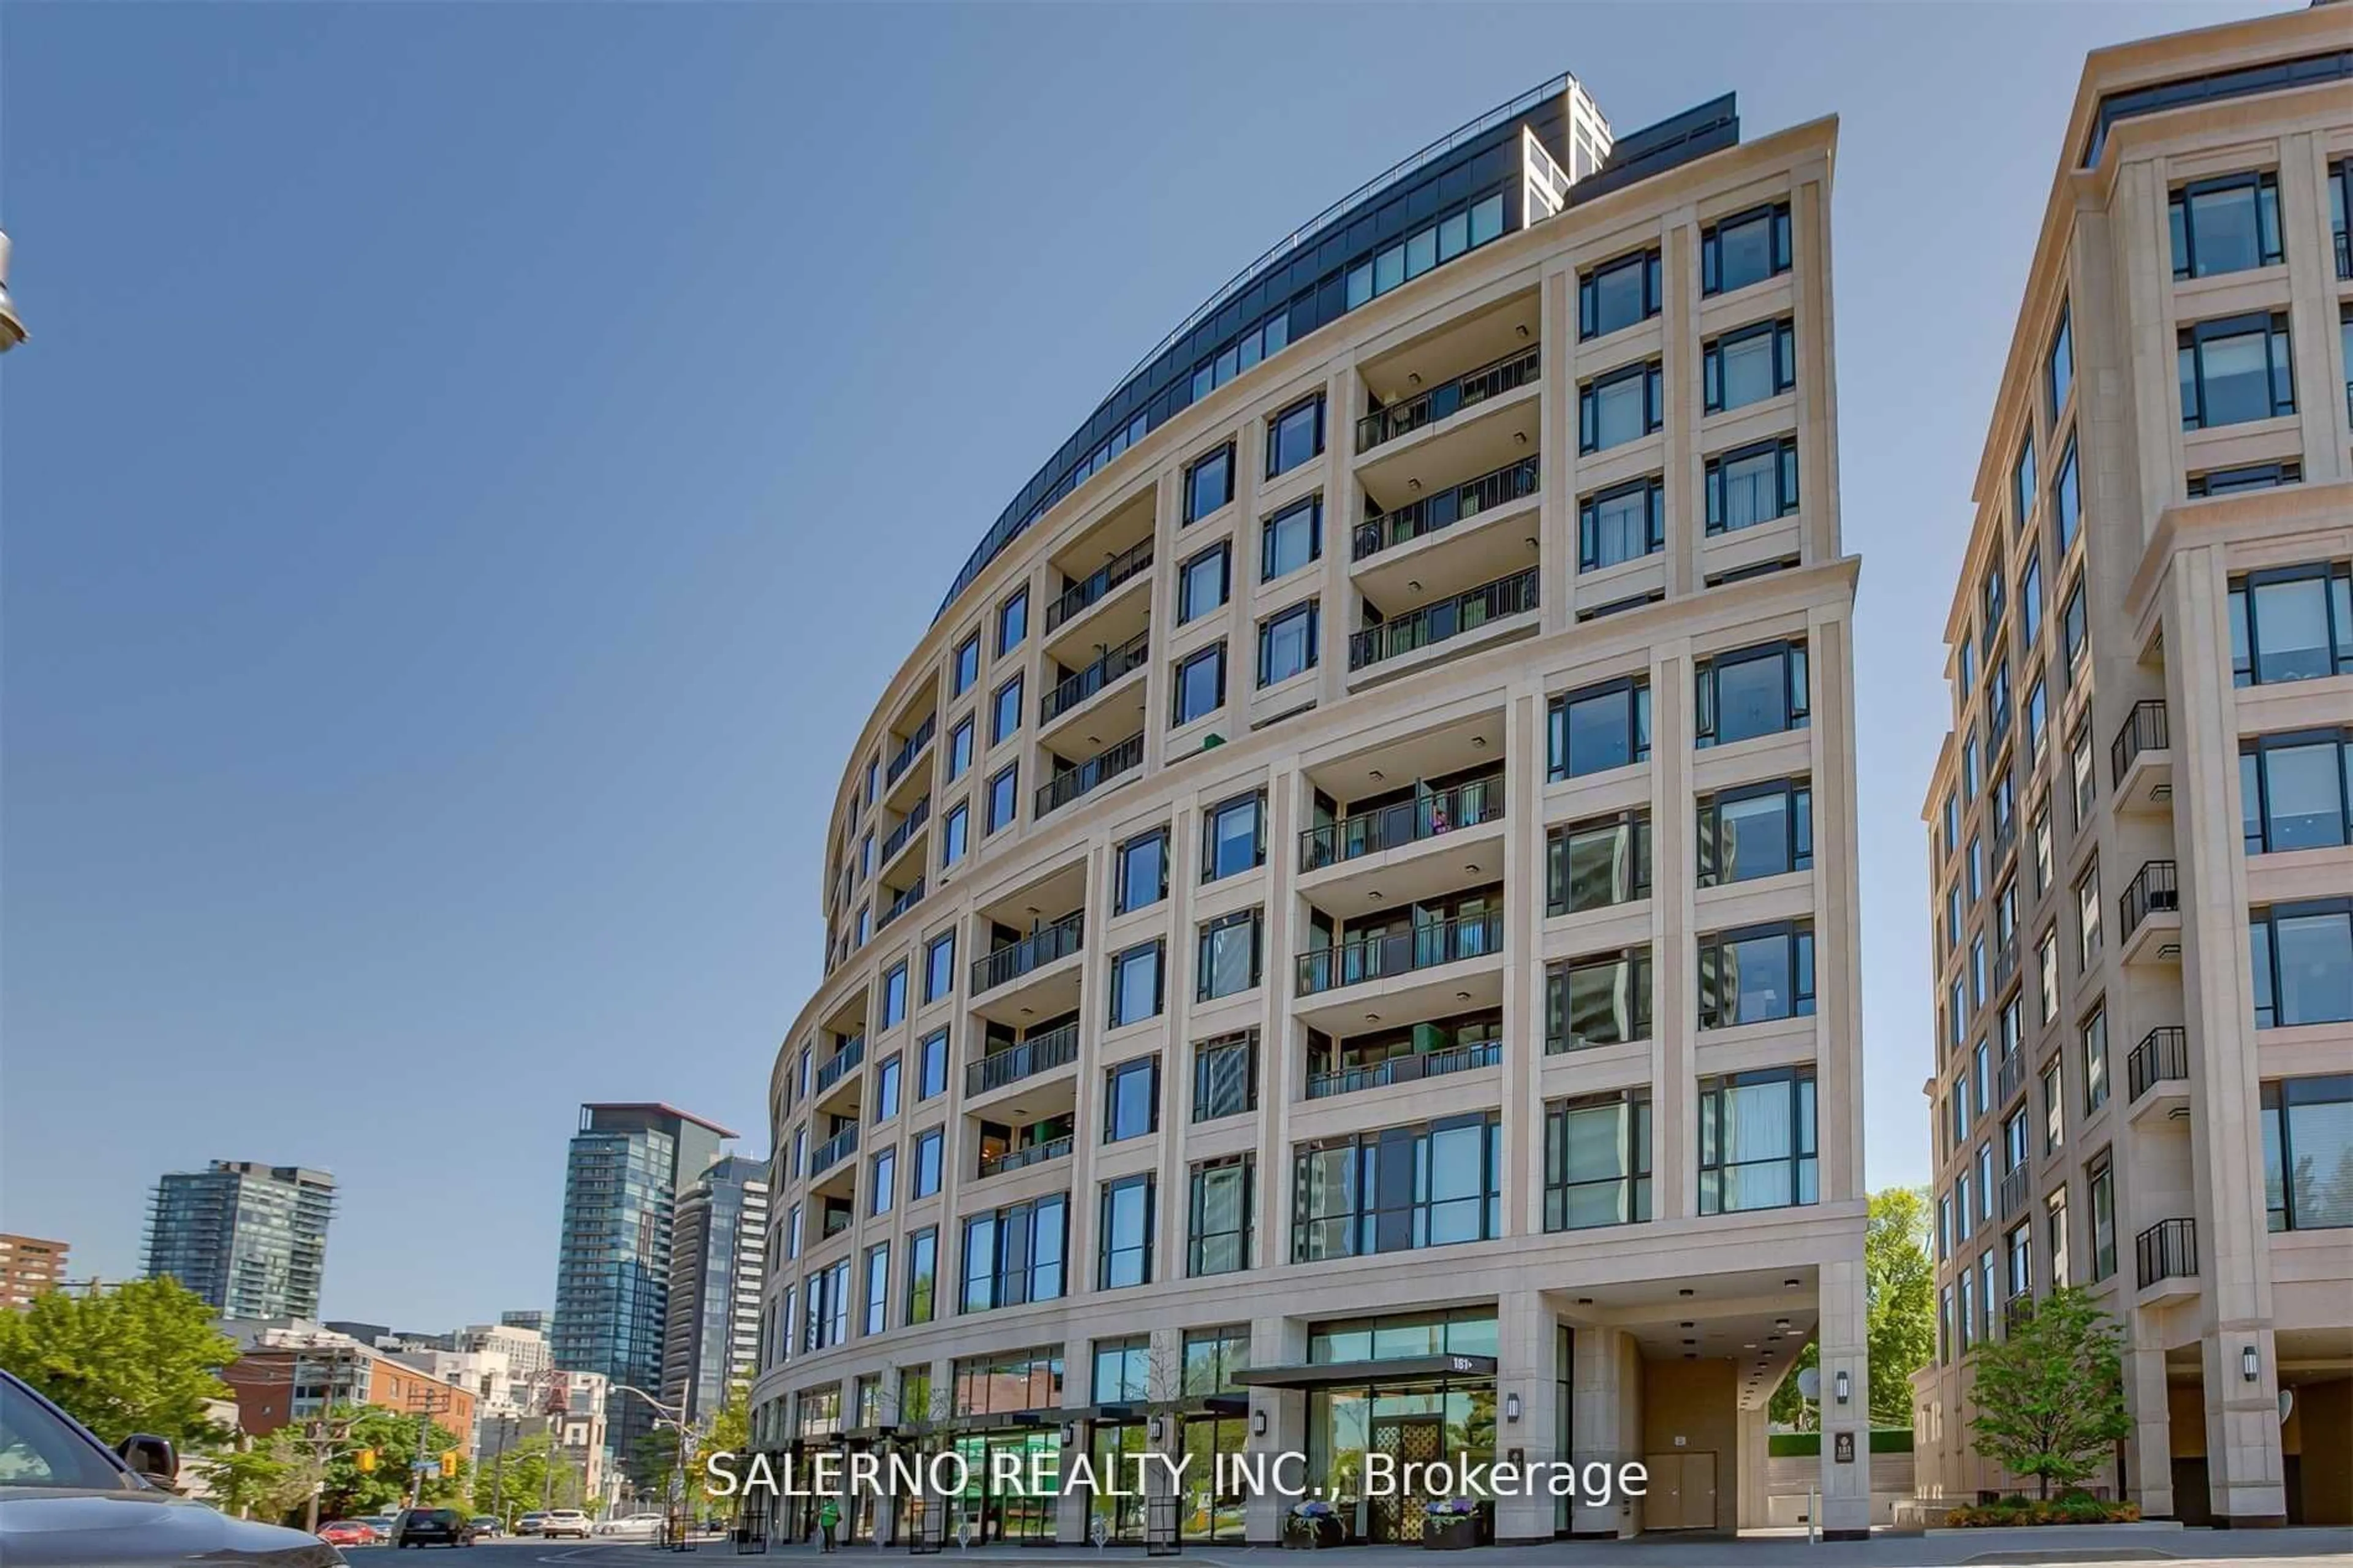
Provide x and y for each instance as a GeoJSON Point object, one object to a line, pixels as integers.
{"type": "Point", "coordinates": [66, 1501]}
{"type": "Point", "coordinates": [433, 1527]}
{"type": "Point", "coordinates": [562, 1521]}
{"type": "Point", "coordinates": [529, 1523]}
{"type": "Point", "coordinates": [350, 1533]}
{"type": "Point", "coordinates": [635, 1527]}
{"type": "Point", "coordinates": [486, 1526]}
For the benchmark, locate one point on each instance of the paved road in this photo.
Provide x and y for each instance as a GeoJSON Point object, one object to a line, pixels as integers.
{"type": "Point", "coordinates": [1973, 1549]}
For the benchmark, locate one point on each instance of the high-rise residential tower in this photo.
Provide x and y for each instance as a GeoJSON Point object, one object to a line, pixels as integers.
{"type": "Point", "coordinates": [2141, 823]}
{"type": "Point", "coordinates": [622, 1176]}
{"type": "Point", "coordinates": [1339, 939]}
{"type": "Point", "coordinates": [29, 1267]}
{"type": "Point", "coordinates": [719, 1240]}
{"type": "Point", "coordinates": [251, 1239]}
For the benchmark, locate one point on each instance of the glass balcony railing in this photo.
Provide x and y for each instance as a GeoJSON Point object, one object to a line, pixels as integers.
{"type": "Point", "coordinates": [1422, 946]}
{"type": "Point", "coordinates": [1446, 619]}
{"type": "Point", "coordinates": [844, 1062]}
{"type": "Point", "coordinates": [1466, 391]}
{"type": "Point", "coordinates": [833, 1151]}
{"type": "Point", "coordinates": [1039, 1053]}
{"type": "Point", "coordinates": [1071, 782]}
{"type": "Point", "coordinates": [1077, 688]}
{"type": "Point", "coordinates": [1081, 596]}
{"type": "Point", "coordinates": [1466, 805]}
{"type": "Point", "coordinates": [1444, 510]}
{"type": "Point", "coordinates": [1016, 959]}
{"type": "Point", "coordinates": [1404, 1069]}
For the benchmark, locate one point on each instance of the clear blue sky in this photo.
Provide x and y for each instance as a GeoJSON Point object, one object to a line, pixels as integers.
{"type": "Point", "coordinates": [441, 493]}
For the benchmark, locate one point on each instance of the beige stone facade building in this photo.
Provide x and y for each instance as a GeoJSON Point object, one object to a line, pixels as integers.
{"type": "Point", "coordinates": [2140, 838]}
{"type": "Point", "coordinates": [1340, 938]}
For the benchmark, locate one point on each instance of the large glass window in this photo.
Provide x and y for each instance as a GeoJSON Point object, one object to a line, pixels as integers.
{"type": "Point", "coordinates": [1618, 294]}
{"type": "Point", "coordinates": [2303, 958]}
{"type": "Point", "coordinates": [1233, 837]}
{"type": "Point", "coordinates": [1014, 1254]}
{"type": "Point", "coordinates": [1601, 1000]}
{"type": "Point", "coordinates": [1751, 366]}
{"type": "Point", "coordinates": [2100, 1181]}
{"type": "Point", "coordinates": [1228, 962]}
{"type": "Point", "coordinates": [1131, 1100]}
{"type": "Point", "coordinates": [1122, 1370]}
{"type": "Point", "coordinates": [1757, 973]}
{"type": "Point", "coordinates": [2021, 489]}
{"type": "Point", "coordinates": [2093, 1038]}
{"type": "Point", "coordinates": [2230, 224]}
{"type": "Point", "coordinates": [1750, 692]}
{"type": "Point", "coordinates": [1756, 1140]}
{"type": "Point", "coordinates": [1224, 1076]}
{"type": "Point", "coordinates": [2309, 1153]}
{"type": "Point", "coordinates": [1599, 728]}
{"type": "Point", "coordinates": [883, 1187]}
{"type": "Point", "coordinates": [1593, 864]}
{"type": "Point", "coordinates": [1143, 877]}
{"type": "Point", "coordinates": [1004, 797]}
{"type": "Point", "coordinates": [1294, 435]}
{"type": "Point", "coordinates": [1218, 1224]}
{"type": "Point", "coordinates": [886, 1088]}
{"type": "Point", "coordinates": [2295, 790]}
{"type": "Point", "coordinates": [1209, 483]}
{"type": "Point", "coordinates": [878, 1289]}
{"type": "Point", "coordinates": [1748, 249]}
{"type": "Point", "coordinates": [1136, 987]}
{"type": "Point", "coordinates": [1752, 484]}
{"type": "Point", "coordinates": [1124, 1248]}
{"type": "Point", "coordinates": [1397, 1189]}
{"type": "Point", "coordinates": [939, 966]}
{"type": "Point", "coordinates": [1598, 1161]}
{"type": "Point", "coordinates": [2059, 367]}
{"type": "Point", "coordinates": [1200, 685]}
{"type": "Point", "coordinates": [955, 833]}
{"type": "Point", "coordinates": [1623, 524]}
{"type": "Point", "coordinates": [1204, 581]}
{"type": "Point", "coordinates": [1621, 406]}
{"type": "Point", "coordinates": [894, 996]}
{"type": "Point", "coordinates": [1290, 538]}
{"type": "Point", "coordinates": [2087, 921]}
{"type": "Point", "coordinates": [1012, 621]}
{"type": "Point", "coordinates": [960, 750]}
{"type": "Point", "coordinates": [968, 664]}
{"type": "Point", "coordinates": [2294, 623]}
{"type": "Point", "coordinates": [922, 1275]}
{"type": "Point", "coordinates": [1758, 830]}
{"type": "Point", "coordinates": [1287, 644]}
{"type": "Point", "coordinates": [2066, 501]}
{"type": "Point", "coordinates": [931, 1068]}
{"type": "Point", "coordinates": [923, 1168]}
{"type": "Point", "coordinates": [2234, 370]}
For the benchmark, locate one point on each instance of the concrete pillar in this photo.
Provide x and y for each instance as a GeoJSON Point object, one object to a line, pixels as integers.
{"type": "Point", "coordinates": [2246, 1477]}
{"type": "Point", "coordinates": [1846, 1482]}
{"type": "Point", "coordinates": [1275, 1342]}
{"type": "Point", "coordinates": [1070, 1503]}
{"type": "Point", "coordinates": [1750, 1510]}
{"type": "Point", "coordinates": [1527, 1368]}
{"type": "Point", "coordinates": [1605, 1423]}
{"type": "Point", "coordinates": [2151, 1480]}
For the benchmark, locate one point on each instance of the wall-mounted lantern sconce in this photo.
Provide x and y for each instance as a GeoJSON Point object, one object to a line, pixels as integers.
{"type": "Point", "coordinates": [1511, 1407]}
{"type": "Point", "coordinates": [1845, 1385]}
{"type": "Point", "coordinates": [1258, 1422]}
{"type": "Point", "coordinates": [2250, 1366]}
{"type": "Point", "coordinates": [1158, 1427]}
{"type": "Point", "coordinates": [1069, 1432]}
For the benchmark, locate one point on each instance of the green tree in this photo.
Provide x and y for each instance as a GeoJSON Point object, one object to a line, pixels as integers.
{"type": "Point", "coordinates": [2050, 1392]}
{"type": "Point", "coordinates": [141, 1357]}
{"type": "Point", "coordinates": [530, 1477]}
{"type": "Point", "coordinates": [731, 1433]}
{"type": "Point", "coordinates": [391, 1434]}
{"type": "Point", "coordinates": [1900, 1295]}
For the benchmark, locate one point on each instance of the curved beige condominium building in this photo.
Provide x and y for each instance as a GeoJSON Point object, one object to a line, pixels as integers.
{"type": "Point", "coordinates": [2140, 828]}
{"type": "Point", "coordinates": [1340, 938]}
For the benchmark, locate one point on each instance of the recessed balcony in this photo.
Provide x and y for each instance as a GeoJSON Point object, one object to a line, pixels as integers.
{"type": "Point", "coordinates": [1492, 613]}
{"type": "Point", "coordinates": [1025, 1079]}
{"type": "Point", "coordinates": [2016, 1188]}
{"type": "Point", "coordinates": [1070, 784]}
{"type": "Point", "coordinates": [843, 1062]}
{"type": "Point", "coordinates": [1013, 1156]}
{"type": "Point", "coordinates": [1105, 694]}
{"type": "Point", "coordinates": [899, 902]}
{"type": "Point", "coordinates": [833, 1152]}
{"type": "Point", "coordinates": [902, 781]}
{"type": "Point", "coordinates": [1451, 539]}
{"type": "Point", "coordinates": [1432, 433]}
{"type": "Point", "coordinates": [2140, 760]}
{"type": "Point", "coordinates": [896, 841]}
{"type": "Point", "coordinates": [1349, 1077]}
{"type": "Point", "coordinates": [1034, 977]}
{"type": "Point", "coordinates": [2148, 914]}
{"type": "Point", "coordinates": [1107, 606]}
{"type": "Point", "coordinates": [1414, 968]}
{"type": "Point", "coordinates": [2166, 1259]}
{"type": "Point", "coordinates": [2157, 1074]}
{"type": "Point", "coordinates": [2010, 1079]}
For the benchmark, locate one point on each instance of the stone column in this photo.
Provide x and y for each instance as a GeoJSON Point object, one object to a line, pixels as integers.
{"type": "Point", "coordinates": [1275, 1342]}
{"type": "Point", "coordinates": [2152, 1440]}
{"type": "Point", "coordinates": [1605, 1424]}
{"type": "Point", "coordinates": [1071, 1503]}
{"type": "Point", "coordinates": [1751, 1507]}
{"type": "Point", "coordinates": [1528, 1369]}
{"type": "Point", "coordinates": [1846, 1484]}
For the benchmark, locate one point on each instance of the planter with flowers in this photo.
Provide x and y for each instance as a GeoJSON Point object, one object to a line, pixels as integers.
{"type": "Point", "coordinates": [1452, 1524]}
{"type": "Point", "coordinates": [1313, 1524]}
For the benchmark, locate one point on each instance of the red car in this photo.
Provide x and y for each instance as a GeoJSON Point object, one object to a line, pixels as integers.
{"type": "Point", "coordinates": [348, 1533]}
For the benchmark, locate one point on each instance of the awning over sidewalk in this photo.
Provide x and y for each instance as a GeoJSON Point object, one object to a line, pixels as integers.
{"type": "Point", "coordinates": [1347, 1373]}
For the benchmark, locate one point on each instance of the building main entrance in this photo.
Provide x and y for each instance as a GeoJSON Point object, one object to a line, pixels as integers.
{"type": "Point", "coordinates": [1407, 1440]}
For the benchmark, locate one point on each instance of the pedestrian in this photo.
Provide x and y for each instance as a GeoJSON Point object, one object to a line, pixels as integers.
{"type": "Point", "coordinates": [828, 1514]}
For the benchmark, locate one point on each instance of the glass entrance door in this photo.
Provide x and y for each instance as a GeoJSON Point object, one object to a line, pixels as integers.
{"type": "Point", "coordinates": [1409, 1440]}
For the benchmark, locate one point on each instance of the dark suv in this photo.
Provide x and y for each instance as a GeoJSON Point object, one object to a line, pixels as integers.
{"type": "Point", "coordinates": [433, 1527]}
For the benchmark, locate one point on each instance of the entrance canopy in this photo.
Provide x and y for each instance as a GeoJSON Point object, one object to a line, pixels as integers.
{"type": "Point", "coordinates": [1357, 1374]}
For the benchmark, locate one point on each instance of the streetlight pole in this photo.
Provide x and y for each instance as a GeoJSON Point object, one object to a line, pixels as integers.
{"type": "Point", "coordinates": [673, 1416]}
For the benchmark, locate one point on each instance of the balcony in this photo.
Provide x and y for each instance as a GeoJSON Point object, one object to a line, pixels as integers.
{"type": "Point", "coordinates": [2140, 760]}
{"type": "Point", "coordinates": [1436, 513]}
{"type": "Point", "coordinates": [2005, 839]}
{"type": "Point", "coordinates": [2005, 965]}
{"type": "Point", "coordinates": [1021, 1159]}
{"type": "Point", "coordinates": [899, 837]}
{"type": "Point", "coordinates": [909, 750]}
{"type": "Point", "coordinates": [2156, 1073]}
{"type": "Point", "coordinates": [1458, 616]}
{"type": "Point", "coordinates": [2010, 1080]}
{"type": "Point", "coordinates": [1465, 391]}
{"type": "Point", "coordinates": [1471, 804]}
{"type": "Point", "coordinates": [1040, 948]}
{"type": "Point", "coordinates": [1090, 590]}
{"type": "Point", "coordinates": [2016, 1187]}
{"type": "Point", "coordinates": [1039, 1054]}
{"type": "Point", "coordinates": [1103, 766]}
{"type": "Point", "coordinates": [833, 1151]}
{"type": "Point", "coordinates": [2167, 1252]}
{"type": "Point", "coordinates": [1422, 946]}
{"type": "Point", "coordinates": [1082, 692]}
{"type": "Point", "coordinates": [844, 1062]}
{"type": "Point", "coordinates": [2344, 244]}
{"type": "Point", "coordinates": [907, 900]}
{"type": "Point", "coordinates": [1409, 1069]}
{"type": "Point", "coordinates": [2148, 916]}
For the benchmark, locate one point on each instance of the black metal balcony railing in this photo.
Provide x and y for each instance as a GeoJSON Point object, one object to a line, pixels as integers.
{"type": "Point", "coordinates": [1444, 510]}
{"type": "Point", "coordinates": [1108, 667]}
{"type": "Point", "coordinates": [907, 900]}
{"type": "Point", "coordinates": [1360, 959]}
{"type": "Point", "coordinates": [2144, 731]}
{"type": "Point", "coordinates": [1016, 959]}
{"type": "Point", "coordinates": [844, 1061]}
{"type": "Point", "coordinates": [2167, 1250]}
{"type": "Point", "coordinates": [1071, 782]}
{"type": "Point", "coordinates": [2153, 891]}
{"type": "Point", "coordinates": [2015, 1186]}
{"type": "Point", "coordinates": [1404, 1069]}
{"type": "Point", "coordinates": [910, 749]}
{"type": "Point", "coordinates": [1039, 1053]}
{"type": "Point", "coordinates": [833, 1151]}
{"type": "Point", "coordinates": [2012, 1078]}
{"type": "Point", "coordinates": [1466, 805]}
{"type": "Point", "coordinates": [2005, 964]}
{"type": "Point", "coordinates": [1079, 595]}
{"type": "Point", "coordinates": [1439, 403]}
{"type": "Point", "coordinates": [2163, 1053]}
{"type": "Point", "coordinates": [1447, 618]}
{"type": "Point", "coordinates": [1019, 1159]}
{"type": "Point", "coordinates": [896, 839]}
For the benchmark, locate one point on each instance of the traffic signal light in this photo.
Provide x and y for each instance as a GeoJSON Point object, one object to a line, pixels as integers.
{"type": "Point", "coordinates": [367, 1461]}
{"type": "Point", "coordinates": [448, 1462]}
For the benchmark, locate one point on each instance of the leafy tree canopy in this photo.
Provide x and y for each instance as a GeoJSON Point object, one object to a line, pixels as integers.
{"type": "Point", "coordinates": [1900, 1295]}
{"type": "Point", "coordinates": [2050, 1392]}
{"type": "Point", "coordinates": [141, 1357]}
